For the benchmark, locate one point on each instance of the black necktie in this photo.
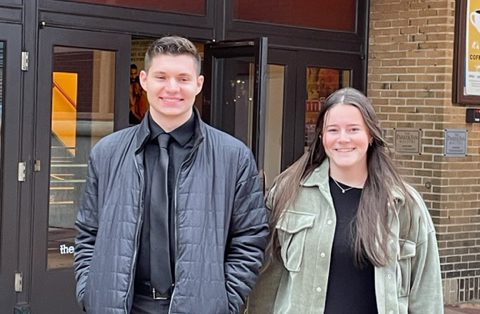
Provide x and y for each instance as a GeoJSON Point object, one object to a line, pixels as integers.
{"type": "Point", "coordinates": [160, 273]}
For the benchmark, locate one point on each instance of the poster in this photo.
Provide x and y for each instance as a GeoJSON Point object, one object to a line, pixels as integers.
{"type": "Point", "coordinates": [472, 73]}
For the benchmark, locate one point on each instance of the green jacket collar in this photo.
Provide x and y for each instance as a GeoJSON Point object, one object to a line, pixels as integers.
{"type": "Point", "coordinates": [319, 177]}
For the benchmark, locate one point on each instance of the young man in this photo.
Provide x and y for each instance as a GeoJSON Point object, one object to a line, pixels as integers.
{"type": "Point", "coordinates": [189, 239]}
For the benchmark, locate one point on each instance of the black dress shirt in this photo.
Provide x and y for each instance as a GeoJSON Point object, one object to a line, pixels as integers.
{"type": "Point", "coordinates": [181, 144]}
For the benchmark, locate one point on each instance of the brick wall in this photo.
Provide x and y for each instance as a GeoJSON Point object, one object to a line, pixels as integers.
{"type": "Point", "coordinates": [410, 82]}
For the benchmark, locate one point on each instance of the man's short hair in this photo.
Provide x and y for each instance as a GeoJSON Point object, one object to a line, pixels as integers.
{"type": "Point", "coordinates": [172, 45]}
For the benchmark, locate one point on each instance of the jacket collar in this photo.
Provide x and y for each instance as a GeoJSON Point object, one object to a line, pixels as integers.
{"type": "Point", "coordinates": [143, 134]}
{"type": "Point", "coordinates": [319, 177]}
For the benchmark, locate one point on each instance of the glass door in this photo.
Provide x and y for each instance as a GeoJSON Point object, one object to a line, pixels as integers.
{"type": "Point", "coordinates": [280, 110]}
{"type": "Point", "coordinates": [235, 91]}
{"type": "Point", "coordinates": [82, 96]}
{"type": "Point", "coordinates": [10, 108]}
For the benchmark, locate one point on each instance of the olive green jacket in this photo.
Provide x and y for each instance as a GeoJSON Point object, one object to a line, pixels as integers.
{"type": "Point", "coordinates": [411, 283]}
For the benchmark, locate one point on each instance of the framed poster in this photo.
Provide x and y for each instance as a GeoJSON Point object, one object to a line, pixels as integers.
{"type": "Point", "coordinates": [467, 52]}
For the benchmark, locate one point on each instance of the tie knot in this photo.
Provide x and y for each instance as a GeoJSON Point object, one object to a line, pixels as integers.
{"type": "Point", "coordinates": [163, 140]}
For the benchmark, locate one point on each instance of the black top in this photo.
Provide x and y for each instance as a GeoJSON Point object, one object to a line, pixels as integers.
{"type": "Point", "coordinates": [181, 144]}
{"type": "Point", "coordinates": [349, 286]}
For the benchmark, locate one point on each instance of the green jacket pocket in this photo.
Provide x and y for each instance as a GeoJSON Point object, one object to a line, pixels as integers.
{"type": "Point", "coordinates": [404, 266]}
{"type": "Point", "coordinates": [292, 232]}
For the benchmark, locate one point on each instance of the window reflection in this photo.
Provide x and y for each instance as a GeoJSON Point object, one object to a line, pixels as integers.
{"type": "Point", "coordinates": [83, 82]}
{"type": "Point", "coordinates": [274, 122]}
{"type": "Point", "coordinates": [321, 82]}
{"type": "Point", "coordinates": [196, 7]}
{"type": "Point", "coordinates": [327, 14]}
{"type": "Point", "coordinates": [2, 69]}
{"type": "Point", "coordinates": [237, 98]}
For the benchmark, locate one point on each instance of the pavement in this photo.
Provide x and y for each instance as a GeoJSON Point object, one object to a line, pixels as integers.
{"type": "Point", "coordinates": [462, 309]}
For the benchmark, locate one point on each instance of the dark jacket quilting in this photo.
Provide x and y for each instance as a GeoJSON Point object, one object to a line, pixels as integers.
{"type": "Point", "coordinates": [221, 224]}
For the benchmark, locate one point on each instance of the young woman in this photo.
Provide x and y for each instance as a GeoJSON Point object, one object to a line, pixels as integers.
{"type": "Point", "coordinates": [348, 234]}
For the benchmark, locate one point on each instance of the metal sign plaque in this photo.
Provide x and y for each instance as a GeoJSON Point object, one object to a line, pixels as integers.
{"type": "Point", "coordinates": [456, 142]}
{"type": "Point", "coordinates": [408, 141]}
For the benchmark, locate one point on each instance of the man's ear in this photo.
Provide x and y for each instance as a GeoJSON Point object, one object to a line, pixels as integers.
{"type": "Point", "coordinates": [200, 80]}
{"type": "Point", "coordinates": [143, 79]}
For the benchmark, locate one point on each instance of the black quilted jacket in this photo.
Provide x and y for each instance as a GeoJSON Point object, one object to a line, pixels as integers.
{"type": "Point", "coordinates": [221, 224]}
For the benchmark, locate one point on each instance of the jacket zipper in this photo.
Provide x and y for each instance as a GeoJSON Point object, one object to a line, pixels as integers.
{"type": "Point", "coordinates": [137, 233]}
{"type": "Point", "coordinates": [194, 150]}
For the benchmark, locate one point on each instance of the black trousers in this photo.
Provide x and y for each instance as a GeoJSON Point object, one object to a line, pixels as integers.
{"type": "Point", "coordinates": [146, 305]}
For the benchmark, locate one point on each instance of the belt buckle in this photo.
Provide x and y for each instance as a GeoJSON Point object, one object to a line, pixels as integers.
{"type": "Point", "coordinates": [157, 296]}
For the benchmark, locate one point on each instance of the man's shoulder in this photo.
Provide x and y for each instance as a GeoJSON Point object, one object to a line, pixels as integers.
{"type": "Point", "coordinates": [112, 142]}
{"type": "Point", "coordinates": [223, 140]}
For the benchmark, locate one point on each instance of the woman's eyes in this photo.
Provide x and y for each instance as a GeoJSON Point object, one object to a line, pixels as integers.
{"type": "Point", "coordinates": [350, 130]}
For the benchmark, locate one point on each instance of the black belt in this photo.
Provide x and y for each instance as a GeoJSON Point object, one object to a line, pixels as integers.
{"type": "Point", "coordinates": [144, 288]}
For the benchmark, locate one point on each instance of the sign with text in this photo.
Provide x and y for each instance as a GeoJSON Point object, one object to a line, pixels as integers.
{"type": "Point", "coordinates": [456, 141]}
{"type": "Point", "coordinates": [408, 141]}
{"type": "Point", "coordinates": [472, 45]}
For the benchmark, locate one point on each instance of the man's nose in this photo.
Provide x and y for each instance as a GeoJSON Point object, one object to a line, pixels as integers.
{"type": "Point", "coordinates": [172, 84]}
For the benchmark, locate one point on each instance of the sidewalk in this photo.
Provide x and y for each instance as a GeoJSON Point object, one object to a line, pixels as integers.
{"type": "Point", "coordinates": [462, 309]}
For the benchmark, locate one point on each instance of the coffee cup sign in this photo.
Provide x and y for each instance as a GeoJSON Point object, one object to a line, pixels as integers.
{"type": "Point", "coordinates": [475, 19]}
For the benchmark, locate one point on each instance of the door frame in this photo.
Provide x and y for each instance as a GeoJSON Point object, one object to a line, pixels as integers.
{"type": "Point", "coordinates": [10, 186]}
{"type": "Point", "coordinates": [256, 48]}
{"type": "Point", "coordinates": [288, 59]}
{"type": "Point", "coordinates": [59, 284]}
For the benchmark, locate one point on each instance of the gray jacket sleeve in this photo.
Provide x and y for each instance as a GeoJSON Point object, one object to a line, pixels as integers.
{"type": "Point", "coordinates": [247, 237]}
{"type": "Point", "coordinates": [87, 226]}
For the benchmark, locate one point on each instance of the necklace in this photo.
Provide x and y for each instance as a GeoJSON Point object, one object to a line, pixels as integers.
{"type": "Point", "coordinates": [343, 190]}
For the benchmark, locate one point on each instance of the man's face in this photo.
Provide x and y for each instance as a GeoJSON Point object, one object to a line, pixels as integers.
{"type": "Point", "coordinates": [133, 74]}
{"type": "Point", "coordinates": [171, 83]}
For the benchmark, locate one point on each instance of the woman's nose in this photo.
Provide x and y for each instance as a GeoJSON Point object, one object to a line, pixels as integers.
{"type": "Point", "coordinates": [343, 136]}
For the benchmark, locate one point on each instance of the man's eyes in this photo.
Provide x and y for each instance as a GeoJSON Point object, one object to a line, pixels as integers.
{"type": "Point", "coordinates": [181, 79]}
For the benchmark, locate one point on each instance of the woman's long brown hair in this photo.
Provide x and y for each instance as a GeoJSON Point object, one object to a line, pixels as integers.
{"type": "Point", "coordinates": [371, 223]}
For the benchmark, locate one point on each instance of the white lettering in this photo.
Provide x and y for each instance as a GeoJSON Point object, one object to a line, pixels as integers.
{"type": "Point", "coordinates": [64, 249]}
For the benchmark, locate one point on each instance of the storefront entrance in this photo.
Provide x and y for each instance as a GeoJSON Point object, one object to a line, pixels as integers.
{"type": "Point", "coordinates": [70, 87]}
{"type": "Point", "coordinates": [82, 76]}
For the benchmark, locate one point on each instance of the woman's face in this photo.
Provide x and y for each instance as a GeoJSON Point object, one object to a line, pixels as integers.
{"type": "Point", "coordinates": [346, 138]}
